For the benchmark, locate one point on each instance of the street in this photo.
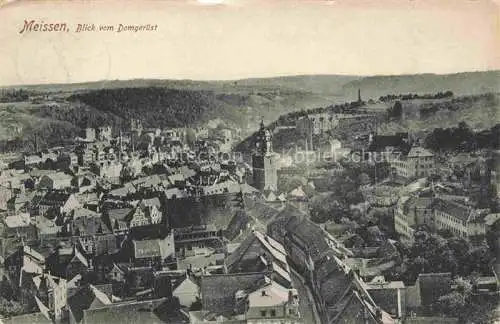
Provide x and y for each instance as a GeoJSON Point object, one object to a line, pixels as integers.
{"type": "Point", "coordinates": [307, 306]}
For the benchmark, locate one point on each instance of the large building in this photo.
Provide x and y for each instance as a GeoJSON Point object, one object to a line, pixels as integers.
{"type": "Point", "coordinates": [438, 214]}
{"type": "Point", "coordinates": [264, 162]}
{"type": "Point", "coordinates": [418, 163]}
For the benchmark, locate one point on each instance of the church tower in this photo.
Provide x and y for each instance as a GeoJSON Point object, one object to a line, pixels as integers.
{"type": "Point", "coordinates": [265, 175]}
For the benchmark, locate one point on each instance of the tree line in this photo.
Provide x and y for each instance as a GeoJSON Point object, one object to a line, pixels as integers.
{"type": "Point", "coordinates": [463, 138]}
{"type": "Point", "coordinates": [411, 96]}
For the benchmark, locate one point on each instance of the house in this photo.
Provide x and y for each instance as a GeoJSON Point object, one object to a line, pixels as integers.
{"type": "Point", "coordinates": [23, 260]}
{"type": "Point", "coordinates": [272, 303]}
{"type": "Point", "coordinates": [411, 212]}
{"type": "Point", "coordinates": [427, 290]}
{"type": "Point", "coordinates": [460, 219]}
{"type": "Point", "coordinates": [19, 226]}
{"type": "Point", "coordinates": [193, 240]}
{"type": "Point", "coordinates": [85, 298]}
{"type": "Point", "coordinates": [67, 160]}
{"type": "Point", "coordinates": [20, 202]}
{"type": "Point", "coordinates": [154, 311]}
{"type": "Point", "coordinates": [55, 181]}
{"type": "Point", "coordinates": [90, 200]}
{"type": "Point", "coordinates": [84, 181]}
{"type": "Point", "coordinates": [417, 163]}
{"type": "Point", "coordinates": [277, 229]}
{"type": "Point", "coordinates": [117, 273]}
{"type": "Point", "coordinates": [86, 222]}
{"type": "Point", "coordinates": [108, 169]}
{"type": "Point", "coordinates": [150, 247]}
{"type": "Point", "coordinates": [51, 294]}
{"type": "Point", "coordinates": [305, 243]}
{"type": "Point", "coordinates": [390, 296]}
{"type": "Point", "coordinates": [146, 213]}
{"type": "Point", "coordinates": [68, 261]}
{"type": "Point", "coordinates": [55, 203]}
{"type": "Point", "coordinates": [117, 218]}
{"type": "Point", "coordinates": [85, 156]}
{"type": "Point", "coordinates": [260, 253]}
{"type": "Point", "coordinates": [32, 160]}
{"type": "Point", "coordinates": [219, 292]}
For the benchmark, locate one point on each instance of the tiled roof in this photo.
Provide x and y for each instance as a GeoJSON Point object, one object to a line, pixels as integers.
{"type": "Point", "coordinates": [156, 311]}
{"type": "Point", "coordinates": [272, 247]}
{"type": "Point", "coordinates": [218, 291]}
{"type": "Point", "coordinates": [312, 236]}
{"type": "Point", "coordinates": [55, 196]}
{"type": "Point", "coordinates": [453, 208]}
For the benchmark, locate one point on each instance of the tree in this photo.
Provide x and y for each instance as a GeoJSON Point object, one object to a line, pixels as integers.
{"type": "Point", "coordinates": [364, 179]}
{"type": "Point", "coordinates": [396, 111]}
{"type": "Point", "coordinates": [326, 208]}
{"type": "Point", "coordinates": [127, 174]}
{"type": "Point", "coordinates": [459, 303]}
{"type": "Point", "coordinates": [10, 307]}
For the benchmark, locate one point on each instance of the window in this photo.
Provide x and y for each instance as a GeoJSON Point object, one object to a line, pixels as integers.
{"type": "Point", "coordinates": [263, 313]}
{"type": "Point", "coordinates": [273, 313]}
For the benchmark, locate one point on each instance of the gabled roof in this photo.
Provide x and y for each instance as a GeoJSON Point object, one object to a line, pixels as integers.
{"type": "Point", "coordinates": [119, 214]}
{"type": "Point", "coordinates": [272, 247]}
{"type": "Point", "coordinates": [78, 257]}
{"type": "Point", "coordinates": [269, 295]}
{"type": "Point", "coordinates": [453, 208]}
{"type": "Point", "coordinates": [86, 297]}
{"type": "Point", "coordinates": [187, 284]}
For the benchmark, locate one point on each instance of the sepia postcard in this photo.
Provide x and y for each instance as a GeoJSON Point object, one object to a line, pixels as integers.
{"type": "Point", "coordinates": [250, 161]}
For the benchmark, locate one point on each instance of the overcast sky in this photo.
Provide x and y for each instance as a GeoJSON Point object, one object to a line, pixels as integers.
{"type": "Point", "coordinates": [248, 38]}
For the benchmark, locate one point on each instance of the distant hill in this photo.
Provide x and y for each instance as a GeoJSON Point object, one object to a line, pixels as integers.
{"type": "Point", "coordinates": [59, 111]}
{"type": "Point", "coordinates": [467, 83]}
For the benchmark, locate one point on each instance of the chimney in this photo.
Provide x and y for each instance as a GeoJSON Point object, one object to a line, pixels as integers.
{"type": "Point", "coordinates": [264, 293]}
